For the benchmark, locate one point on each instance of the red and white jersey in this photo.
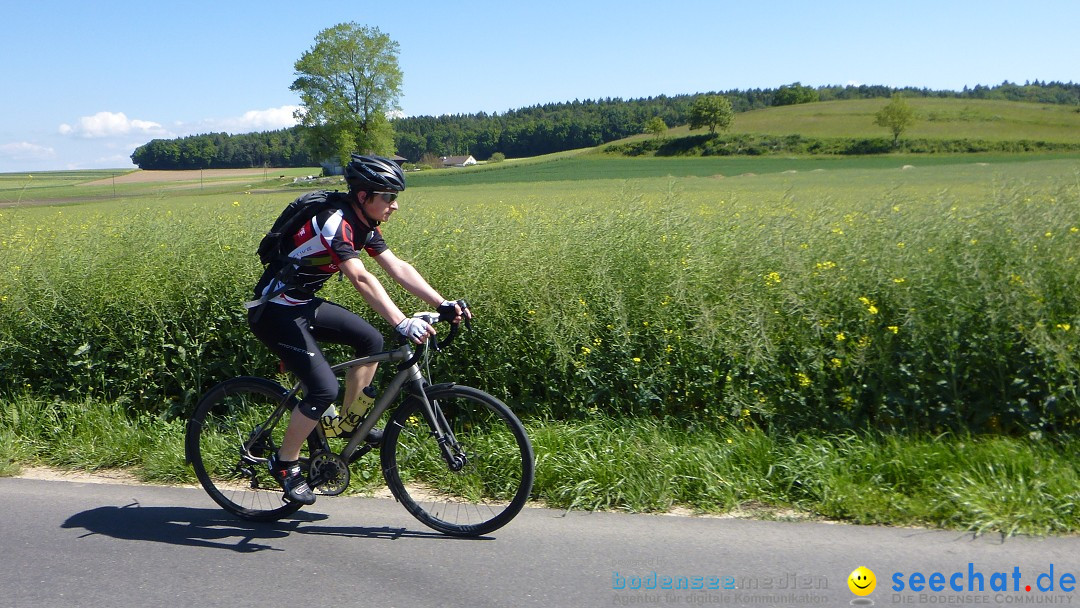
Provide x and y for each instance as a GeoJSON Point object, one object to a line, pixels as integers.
{"type": "Point", "coordinates": [323, 243]}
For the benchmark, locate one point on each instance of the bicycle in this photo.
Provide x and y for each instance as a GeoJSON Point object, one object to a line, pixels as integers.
{"type": "Point", "coordinates": [455, 457]}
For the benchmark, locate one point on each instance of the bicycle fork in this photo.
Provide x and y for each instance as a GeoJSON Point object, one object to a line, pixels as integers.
{"type": "Point", "coordinates": [440, 428]}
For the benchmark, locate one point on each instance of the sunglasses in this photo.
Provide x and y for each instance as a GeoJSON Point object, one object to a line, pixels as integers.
{"type": "Point", "coordinates": [387, 197]}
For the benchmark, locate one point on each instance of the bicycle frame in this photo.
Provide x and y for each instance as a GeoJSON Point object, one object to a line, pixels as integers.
{"type": "Point", "coordinates": [408, 378]}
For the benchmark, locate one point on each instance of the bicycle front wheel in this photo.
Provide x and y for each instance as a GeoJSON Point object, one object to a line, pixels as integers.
{"type": "Point", "coordinates": [228, 445]}
{"type": "Point", "coordinates": [493, 473]}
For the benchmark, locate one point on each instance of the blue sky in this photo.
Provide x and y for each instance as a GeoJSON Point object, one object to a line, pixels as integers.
{"type": "Point", "coordinates": [85, 83]}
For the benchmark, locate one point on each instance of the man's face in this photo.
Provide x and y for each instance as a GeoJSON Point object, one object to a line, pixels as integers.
{"type": "Point", "coordinates": [380, 205]}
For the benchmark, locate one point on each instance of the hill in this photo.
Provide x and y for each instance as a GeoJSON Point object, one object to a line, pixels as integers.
{"type": "Point", "coordinates": [942, 125]}
{"type": "Point", "coordinates": [935, 119]}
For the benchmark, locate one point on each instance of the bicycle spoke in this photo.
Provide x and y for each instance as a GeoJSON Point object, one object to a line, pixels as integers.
{"type": "Point", "coordinates": [236, 477]}
{"type": "Point", "coordinates": [487, 491]}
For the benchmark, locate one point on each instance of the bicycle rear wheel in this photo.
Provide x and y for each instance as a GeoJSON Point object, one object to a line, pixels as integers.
{"type": "Point", "coordinates": [228, 447]}
{"type": "Point", "coordinates": [497, 473]}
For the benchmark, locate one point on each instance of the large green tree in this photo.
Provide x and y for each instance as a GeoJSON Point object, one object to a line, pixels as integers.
{"type": "Point", "coordinates": [896, 116]}
{"type": "Point", "coordinates": [348, 82]}
{"type": "Point", "coordinates": [711, 111]}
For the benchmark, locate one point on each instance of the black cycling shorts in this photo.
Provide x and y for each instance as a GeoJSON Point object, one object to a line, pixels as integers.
{"type": "Point", "coordinates": [293, 333]}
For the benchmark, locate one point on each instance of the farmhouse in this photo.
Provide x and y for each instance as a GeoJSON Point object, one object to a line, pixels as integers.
{"type": "Point", "coordinates": [457, 161]}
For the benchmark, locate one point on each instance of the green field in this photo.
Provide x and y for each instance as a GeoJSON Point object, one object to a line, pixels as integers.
{"type": "Point", "coordinates": [745, 281]}
{"type": "Point", "coordinates": [935, 119]}
{"type": "Point", "coordinates": [769, 304]}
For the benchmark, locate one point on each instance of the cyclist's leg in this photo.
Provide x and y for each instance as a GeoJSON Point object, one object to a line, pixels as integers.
{"type": "Point", "coordinates": [336, 324]}
{"type": "Point", "coordinates": [286, 330]}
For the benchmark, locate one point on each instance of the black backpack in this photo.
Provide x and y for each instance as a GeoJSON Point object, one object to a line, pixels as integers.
{"type": "Point", "coordinates": [273, 246]}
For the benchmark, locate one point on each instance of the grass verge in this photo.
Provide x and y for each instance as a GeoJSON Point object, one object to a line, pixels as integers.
{"type": "Point", "coordinates": [977, 483]}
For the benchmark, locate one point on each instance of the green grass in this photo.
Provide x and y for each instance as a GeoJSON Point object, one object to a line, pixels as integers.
{"type": "Point", "coordinates": [73, 187]}
{"type": "Point", "coordinates": [980, 484]}
{"type": "Point", "coordinates": [984, 484]}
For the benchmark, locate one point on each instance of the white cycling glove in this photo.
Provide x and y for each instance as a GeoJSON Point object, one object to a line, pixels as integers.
{"type": "Point", "coordinates": [413, 329]}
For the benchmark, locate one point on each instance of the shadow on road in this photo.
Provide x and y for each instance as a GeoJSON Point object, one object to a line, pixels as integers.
{"type": "Point", "coordinates": [212, 528]}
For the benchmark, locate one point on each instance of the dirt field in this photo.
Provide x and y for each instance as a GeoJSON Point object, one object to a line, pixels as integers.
{"type": "Point", "coordinates": [147, 177]}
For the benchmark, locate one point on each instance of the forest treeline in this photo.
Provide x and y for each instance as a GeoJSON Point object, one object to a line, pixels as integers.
{"type": "Point", "coordinates": [543, 129]}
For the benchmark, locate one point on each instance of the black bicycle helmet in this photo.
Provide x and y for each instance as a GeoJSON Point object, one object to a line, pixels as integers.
{"type": "Point", "coordinates": [374, 173]}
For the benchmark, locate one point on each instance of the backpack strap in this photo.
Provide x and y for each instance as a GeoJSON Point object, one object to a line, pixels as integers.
{"type": "Point", "coordinates": [290, 265]}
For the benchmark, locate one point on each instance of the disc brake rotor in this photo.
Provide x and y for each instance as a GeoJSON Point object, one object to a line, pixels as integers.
{"type": "Point", "coordinates": [328, 474]}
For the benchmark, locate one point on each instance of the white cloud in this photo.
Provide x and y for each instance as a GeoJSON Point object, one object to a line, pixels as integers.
{"type": "Point", "coordinates": [270, 119]}
{"type": "Point", "coordinates": [112, 124]}
{"type": "Point", "coordinates": [26, 151]}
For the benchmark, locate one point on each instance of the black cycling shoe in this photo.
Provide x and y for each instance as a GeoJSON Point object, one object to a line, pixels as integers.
{"type": "Point", "coordinates": [292, 481]}
{"type": "Point", "coordinates": [374, 436]}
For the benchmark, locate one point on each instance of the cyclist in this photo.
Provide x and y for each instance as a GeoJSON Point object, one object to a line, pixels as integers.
{"type": "Point", "coordinates": [291, 322]}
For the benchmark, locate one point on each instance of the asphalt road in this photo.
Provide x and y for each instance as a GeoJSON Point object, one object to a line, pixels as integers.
{"type": "Point", "coordinates": [82, 544]}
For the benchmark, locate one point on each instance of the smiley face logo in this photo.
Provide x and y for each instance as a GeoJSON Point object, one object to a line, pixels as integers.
{"type": "Point", "coordinates": [862, 581]}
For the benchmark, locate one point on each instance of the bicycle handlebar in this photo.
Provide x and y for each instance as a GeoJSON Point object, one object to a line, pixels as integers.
{"type": "Point", "coordinates": [432, 318]}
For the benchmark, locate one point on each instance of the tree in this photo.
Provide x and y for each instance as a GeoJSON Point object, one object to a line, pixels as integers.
{"type": "Point", "coordinates": [795, 93]}
{"type": "Point", "coordinates": [896, 116]}
{"type": "Point", "coordinates": [711, 111]}
{"type": "Point", "coordinates": [656, 126]}
{"type": "Point", "coordinates": [348, 82]}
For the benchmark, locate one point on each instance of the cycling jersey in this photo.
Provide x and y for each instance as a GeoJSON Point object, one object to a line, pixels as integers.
{"type": "Point", "coordinates": [326, 241]}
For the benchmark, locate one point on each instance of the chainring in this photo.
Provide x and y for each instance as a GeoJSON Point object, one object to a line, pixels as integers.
{"type": "Point", "coordinates": [328, 473]}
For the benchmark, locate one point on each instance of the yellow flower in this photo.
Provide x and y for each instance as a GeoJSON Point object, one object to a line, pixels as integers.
{"type": "Point", "coordinates": [1074, 230]}
{"type": "Point", "coordinates": [772, 278]}
{"type": "Point", "coordinates": [836, 362]}
{"type": "Point", "coordinates": [1064, 326]}
{"type": "Point", "coordinates": [893, 328]}
{"type": "Point", "coordinates": [637, 359]}
{"type": "Point", "coordinates": [898, 280]}
{"type": "Point", "coordinates": [840, 337]}
{"type": "Point", "coordinates": [585, 350]}
{"type": "Point", "coordinates": [869, 305]}
{"type": "Point", "coordinates": [827, 265]}
{"type": "Point", "coordinates": [804, 380]}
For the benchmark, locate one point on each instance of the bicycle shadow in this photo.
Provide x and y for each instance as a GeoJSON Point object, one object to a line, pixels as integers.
{"type": "Point", "coordinates": [215, 529]}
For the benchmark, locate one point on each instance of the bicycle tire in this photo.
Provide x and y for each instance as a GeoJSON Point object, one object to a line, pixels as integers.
{"type": "Point", "coordinates": [488, 491]}
{"type": "Point", "coordinates": [224, 419]}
